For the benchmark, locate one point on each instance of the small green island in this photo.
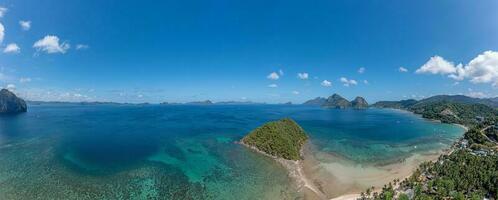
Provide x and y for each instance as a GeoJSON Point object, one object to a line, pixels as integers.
{"type": "Point", "coordinates": [283, 139]}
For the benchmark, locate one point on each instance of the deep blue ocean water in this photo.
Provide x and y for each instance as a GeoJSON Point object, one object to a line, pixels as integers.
{"type": "Point", "coordinates": [186, 152]}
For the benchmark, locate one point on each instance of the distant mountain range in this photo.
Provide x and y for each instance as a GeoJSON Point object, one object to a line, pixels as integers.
{"type": "Point", "coordinates": [449, 108]}
{"type": "Point", "coordinates": [405, 104]}
{"type": "Point", "coordinates": [206, 102]}
{"type": "Point", "coordinates": [337, 101]}
{"type": "Point", "coordinates": [333, 101]}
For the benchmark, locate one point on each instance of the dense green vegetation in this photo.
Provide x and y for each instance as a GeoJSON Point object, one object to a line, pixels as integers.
{"type": "Point", "coordinates": [448, 109]}
{"type": "Point", "coordinates": [470, 172]}
{"type": "Point", "coordinates": [467, 173]}
{"type": "Point", "coordinates": [452, 112]}
{"type": "Point", "coordinates": [283, 138]}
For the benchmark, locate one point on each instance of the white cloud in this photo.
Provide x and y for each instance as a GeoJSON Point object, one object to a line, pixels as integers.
{"type": "Point", "coordinates": [12, 48]}
{"type": "Point", "coordinates": [481, 69]}
{"type": "Point", "coordinates": [365, 82]}
{"type": "Point", "coordinates": [326, 83]}
{"type": "Point", "coordinates": [477, 94]}
{"type": "Point", "coordinates": [273, 76]}
{"type": "Point", "coordinates": [361, 70]}
{"type": "Point", "coordinates": [402, 69]}
{"type": "Point", "coordinates": [25, 25]}
{"type": "Point", "coordinates": [11, 87]}
{"type": "Point", "coordinates": [25, 80]}
{"type": "Point", "coordinates": [437, 65]}
{"type": "Point", "coordinates": [303, 76]}
{"type": "Point", "coordinates": [273, 85]}
{"type": "Point", "coordinates": [280, 72]}
{"type": "Point", "coordinates": [82, 46]}
{"type": "Point", "coordinates": [50, 44]}
{"type": "Point", "coordinates": [295, 92]}
{"type": "Point", "coordinates": [347, 82]}
{"type": "Point", "coordinates": [54, 95]}
{"type": "Point", "coordinates": [2, 32]}
{"type": "Point", "coordinates": [3, 10]}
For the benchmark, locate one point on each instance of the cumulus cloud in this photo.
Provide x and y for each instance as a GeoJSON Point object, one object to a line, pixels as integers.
{"type": "Point", "coordinates": [280, 72]}
{"type": "Point", "coordinates": [273, 85]}
{"type": "Point", "coordinates": [54, 95]}
{"type": "Point", "coordinates": [25, 80]}
{"type": "Point", "coordinates": [347, 82]}
{"type": "Point", "coordinates": [326, 83]}
{"type": "Point", "coordinates": [82, 46]}
{"type": "Point", "coordinates": [477, 94]}
{"type": "Point", "coordinates": [50, 44]}
{"type": "Point", "coordinates": [11, 87]}
{"type": "Point", "coordinates": [2, 32]}
{"type": "Point", "coordinates": [481, 69]}
{"type": "Point", "coordinates": [273, 76]}
{"type": "Point", "coordinates": [303, 76]}
{"type": "Point", "coordinates": [437, 65]}
{"type": "Point", "coordinates": [295, 92]}
{"type": "Point", "coordinates": [365, 82]}
{"type": "Point", "coordinates": [3, 10]}
{"type": "Point", "coordinates": [25, 25]}
{"type": "Point", "coordinates": [12, 48]}
{"type": "Point", "coordinates": [402, 69]}
{"type": "Point", "coordinates": [361, 70]}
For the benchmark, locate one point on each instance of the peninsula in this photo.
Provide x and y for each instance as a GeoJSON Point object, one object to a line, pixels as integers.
{"type": "Point", "coordinates": [284, 141]}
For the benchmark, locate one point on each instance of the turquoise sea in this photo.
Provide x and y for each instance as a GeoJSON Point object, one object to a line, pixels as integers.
{"type": "Point", "coordinates": [72, 151]}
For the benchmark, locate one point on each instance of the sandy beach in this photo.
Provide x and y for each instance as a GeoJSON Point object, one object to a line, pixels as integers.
{"type": "Point", "coordinates": [343, 179]}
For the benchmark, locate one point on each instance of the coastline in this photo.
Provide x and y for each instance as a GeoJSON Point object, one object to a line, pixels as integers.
{"type": "Point", "coordinates": [449, 150]}
{"type": "Point", "coordinates": [295, 170]}
{"type": "Point", "coordinates": [313, 179]}
{"type": "Point", "coordinates": [342, 179]}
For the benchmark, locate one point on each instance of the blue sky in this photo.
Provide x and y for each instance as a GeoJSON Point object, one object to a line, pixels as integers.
{"type": "Point", "coordinates": [177, 51]}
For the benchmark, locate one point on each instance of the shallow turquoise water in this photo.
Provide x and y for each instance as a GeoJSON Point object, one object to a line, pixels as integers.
{"type": "Point", "coordinates": [186, 152]}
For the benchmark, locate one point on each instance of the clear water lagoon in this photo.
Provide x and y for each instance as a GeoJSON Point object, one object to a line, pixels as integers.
{"type": "Point", "coordinates": [76, 151]}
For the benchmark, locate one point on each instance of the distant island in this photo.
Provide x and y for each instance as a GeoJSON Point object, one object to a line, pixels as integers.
{"type": "Point", "coordinates": [10, 103]}
{"type": "Point", "coordinates": [337, 101]}
{"type": "Point", "coordinates": [206, 102]}
{"type": "Point", "coordinates": [282, 139]}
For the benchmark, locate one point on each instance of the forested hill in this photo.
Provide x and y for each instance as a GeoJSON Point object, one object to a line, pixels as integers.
{"type": "Point", "coordinates": [405, 104]}
{"type": "Point", "coordinates": [448, 109]}
{"type": "Point", "coordinates": [283, 138]}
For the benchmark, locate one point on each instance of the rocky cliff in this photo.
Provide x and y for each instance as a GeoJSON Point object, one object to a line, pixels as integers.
{"type": "Point", "coordinates": [10, 103]}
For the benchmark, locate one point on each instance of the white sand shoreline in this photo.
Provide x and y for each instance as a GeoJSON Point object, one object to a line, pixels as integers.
{"type": "Point", "coordinates": [295, 170]}
{"type": "Point", "coordinates": [356, 195]}
{"type": "Point", "coordinates": [343, 179]}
